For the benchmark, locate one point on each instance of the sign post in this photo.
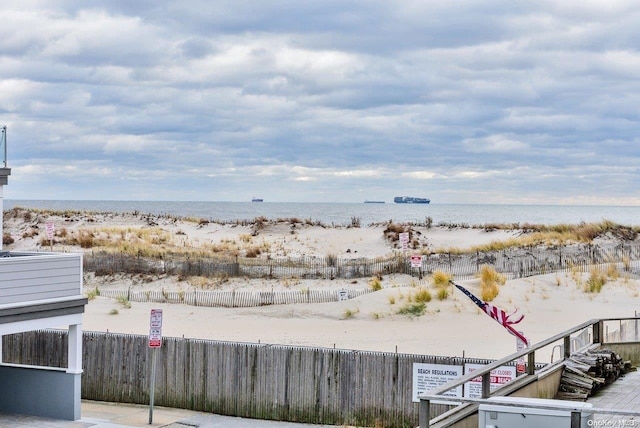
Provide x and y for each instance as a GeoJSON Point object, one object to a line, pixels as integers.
{"type": "Point", "coordinates": [50, 232]}
{"type": "Point", "coordinates": [520, 345]}
{"type": "Point", "coordinates": [155, 342]}
{"type": "Point", "coordinates": [416, 262]}
{"type": "Point", "coordinates": [403, 237]}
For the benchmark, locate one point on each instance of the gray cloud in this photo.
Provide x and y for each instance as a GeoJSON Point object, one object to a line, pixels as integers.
{"type": "Point", "coordinates": [332, 101]}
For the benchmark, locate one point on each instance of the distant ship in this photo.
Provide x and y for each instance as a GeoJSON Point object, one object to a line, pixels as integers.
{"type": "Point", "coordinates": [373, 202]}
{"type": "Point", "coordinates": [410, 200]}
{"type": "Point", "coordinates": [257, 200]}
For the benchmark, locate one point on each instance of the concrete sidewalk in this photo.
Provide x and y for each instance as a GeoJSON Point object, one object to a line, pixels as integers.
{"type": "Point", "coordinates": [97, 414]}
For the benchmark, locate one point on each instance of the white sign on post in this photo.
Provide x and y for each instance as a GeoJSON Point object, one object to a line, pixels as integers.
{"type": "Point", "coordinates": [155, 341]}
{"type": "Point", "coordinates": [416, 261]}
{"type": "Point", "coordinates": [520, 345]}
{"type": "Point", "coordinates": [404, 240]}
{"type": "Point", "coordinates": [50, 230]}
{"type": "Point", "coordinates": [499, 376]}
{"type": "Point", "coordinates": [431, 376]}
{"type": "Point", "coordinates": [155, 330]}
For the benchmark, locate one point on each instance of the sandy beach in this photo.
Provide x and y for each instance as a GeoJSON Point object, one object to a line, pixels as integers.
{"type": "Point", "coordinates": [453, 326]}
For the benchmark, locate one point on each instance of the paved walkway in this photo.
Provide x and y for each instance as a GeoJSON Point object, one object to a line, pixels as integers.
{"type": "Point", "coordinates": [97, 414]}
{"type": "Point", "coordinates": [623, 394]}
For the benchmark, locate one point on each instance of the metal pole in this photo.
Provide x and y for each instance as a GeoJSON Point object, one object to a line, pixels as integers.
{"type": "Point", "coordinates": [152, 387]}
{"type": "Point", "coordinates": [4, 135]}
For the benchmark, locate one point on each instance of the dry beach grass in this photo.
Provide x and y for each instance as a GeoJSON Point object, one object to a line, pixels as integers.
{"type": "Point", "coordinates": [405, 314]}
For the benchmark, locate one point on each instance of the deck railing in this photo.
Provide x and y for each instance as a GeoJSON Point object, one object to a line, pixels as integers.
{"type": "Point", "coordinates": [598, 332]}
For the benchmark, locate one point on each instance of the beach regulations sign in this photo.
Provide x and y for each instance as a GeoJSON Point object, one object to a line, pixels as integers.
{"type": "Point", "coordinates": [155, 329]}
{"type": "Point", "coordinates": [431, 376]}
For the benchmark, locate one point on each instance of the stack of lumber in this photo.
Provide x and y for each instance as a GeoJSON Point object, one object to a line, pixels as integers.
{"type": "Point", "coordinates": [586, 371]}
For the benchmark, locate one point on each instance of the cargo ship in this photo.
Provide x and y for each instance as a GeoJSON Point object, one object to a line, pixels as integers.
{"type": "Point", "coordinates": [410, 200]}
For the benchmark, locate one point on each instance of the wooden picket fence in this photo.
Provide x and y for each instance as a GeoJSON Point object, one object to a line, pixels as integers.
{"type": "Point", "coordinates": [304, 384]}
{"type": "Point", "coordinates": [233, 299]}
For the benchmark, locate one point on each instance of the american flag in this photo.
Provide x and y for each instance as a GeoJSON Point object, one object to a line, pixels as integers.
{"type": "Point", "coordinates": [506, 320]}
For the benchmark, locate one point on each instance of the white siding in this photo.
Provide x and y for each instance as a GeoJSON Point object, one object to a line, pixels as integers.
{"type": "Point", "coordinates": [26, 277]}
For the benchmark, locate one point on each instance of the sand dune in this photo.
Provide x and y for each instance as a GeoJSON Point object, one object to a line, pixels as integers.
{"type": "Point", "coordinates": [454, 326]}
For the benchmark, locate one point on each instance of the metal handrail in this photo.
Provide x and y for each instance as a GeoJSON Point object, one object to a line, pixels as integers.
{"type": "Point", "coordinates": [485, 372]}
{"type": "Point", "coordinates": [547, 406]}
{"type": "Point", "coordinates": [3, 142]}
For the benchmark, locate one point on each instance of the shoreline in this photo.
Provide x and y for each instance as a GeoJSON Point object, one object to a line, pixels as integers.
{"type": "Point", "coordinates": [340, 214]}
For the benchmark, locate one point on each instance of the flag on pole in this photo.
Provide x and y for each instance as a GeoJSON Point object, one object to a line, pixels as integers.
{"type": "Point", "coordinates": [506, 320]}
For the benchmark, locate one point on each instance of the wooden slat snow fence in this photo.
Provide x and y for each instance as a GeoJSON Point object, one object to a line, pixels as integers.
{"type": "Point", "coordinates": [514, 262]}
{"type": "Point", "coordinates": [315, 385]}
{"type": "Point", "coordinates": [233, 299]}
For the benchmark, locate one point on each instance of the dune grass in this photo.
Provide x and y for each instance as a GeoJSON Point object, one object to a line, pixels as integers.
{"type": "Point", "coordinates": [442, 282]}
{"type": "Point", "coordinates": [548, 235]}
{"type": "Point", "coordinates": [413, 309]}
{"type": "Point", "coordinates": [490, 280]}
{"type": "Point", "coordinates": [375, 283]}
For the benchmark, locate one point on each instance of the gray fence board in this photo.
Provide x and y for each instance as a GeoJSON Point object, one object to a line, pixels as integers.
{"type": "Point", "coordinates": [315, 385]}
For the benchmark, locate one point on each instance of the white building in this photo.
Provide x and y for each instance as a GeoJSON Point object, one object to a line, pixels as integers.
{"type": "Point", "coordinates": [41, 290]}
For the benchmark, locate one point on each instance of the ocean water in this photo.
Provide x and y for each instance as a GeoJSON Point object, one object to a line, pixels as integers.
{"type": "Point", "coordinates": [343, 213]}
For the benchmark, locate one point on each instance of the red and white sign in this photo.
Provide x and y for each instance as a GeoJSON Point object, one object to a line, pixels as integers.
{"type": "Point", "coordinates": [416, 261]}
{"type": "Point", "coordinates": [155, 330]}
{"type": "Point", "coordinates": [499, 376]}
{"type": "Point", "coordinates": [50, 230]}
{"type": "Point", "coordinates": [520, 365]}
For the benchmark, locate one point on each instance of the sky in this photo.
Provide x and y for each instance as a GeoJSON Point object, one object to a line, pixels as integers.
{"type": "Point", "coordinates": [501, 102]}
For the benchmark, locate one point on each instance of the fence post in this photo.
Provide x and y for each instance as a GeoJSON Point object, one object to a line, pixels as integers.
{"type": "Point", "coordinates": [531, 363]}
{"type": "Point", "coordinates": [486, 385]}
{"type": "Point", "coordinates": [423, 414]}
{"type": "Point", "coordinates": [560, 255]}
{"type": "Point", "coordinates": [598, 331]}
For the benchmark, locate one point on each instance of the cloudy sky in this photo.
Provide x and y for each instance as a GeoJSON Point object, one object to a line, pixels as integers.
{"type": "Point", "coordinates": [328, 100]}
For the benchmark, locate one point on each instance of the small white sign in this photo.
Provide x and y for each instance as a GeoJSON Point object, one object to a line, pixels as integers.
{"type": "Point", "coordinates": [156, 318]}
{"type": "Point", "coordinates": [155, 330]}
{"type": "Point", "coordinates": [155, 337]}
{"type": "Point", "coordinates": [343, 295]}
{"type": "Point", "coordinates": [416, 261]}
{"type": "Point", "coordinates": [520, 345]}
{"type": "Point", "coordinates": [431, 376]}
{"type": "Point", "coordinates": [50, 230]}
